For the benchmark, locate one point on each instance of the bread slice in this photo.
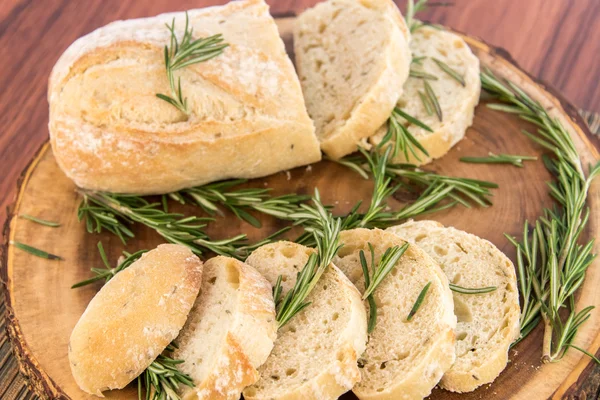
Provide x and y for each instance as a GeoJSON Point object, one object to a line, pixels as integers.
{"type": "Point", "coordinates": [352, 57]}
{"type": "Point", "coordinates": [456, 102]}
{"type": "Point", "coordinates": [229, 332]}
{"type": "Point", "coordinates": [131, 320]}
{"type": "Point", "coordinates": [487, 323]}
{"type": "Point", "coordinates": [110, 132]}
{"type": "Point", "coordinates": [404, 359]}
{"type": "Point", "coordinates": [315, 354]}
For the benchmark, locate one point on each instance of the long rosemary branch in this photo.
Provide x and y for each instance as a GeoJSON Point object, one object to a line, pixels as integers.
{"type": "Point", "coordinates": [551, 263]}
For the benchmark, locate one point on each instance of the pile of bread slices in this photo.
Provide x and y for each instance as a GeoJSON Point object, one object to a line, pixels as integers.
{"type": "Point", "coordinates": [251, 116]}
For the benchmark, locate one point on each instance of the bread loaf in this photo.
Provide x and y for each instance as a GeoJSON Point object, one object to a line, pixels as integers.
{"type": "Point", "coordinates": [456, 102]}
{"type": "Point", "coordinates": [110, 132]}
{"type": "Point", "coordinates": [315, 354]}
{"type": "Point", "coordinates": [133, 318]}
{"type": "Point", "coordinates": [404, 359]}
{"type": "Point", "coordinates": [487, 323]}
{"type": "Point", "coordinates": [229, 332]}
{"type": "Point", "coordinates": [352, 57]}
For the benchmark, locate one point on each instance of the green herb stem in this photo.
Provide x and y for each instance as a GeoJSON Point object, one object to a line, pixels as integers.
{"type": "Point", "coordinates": [36, 252]}
{"type": "Point", "coordinates": [40, 221]}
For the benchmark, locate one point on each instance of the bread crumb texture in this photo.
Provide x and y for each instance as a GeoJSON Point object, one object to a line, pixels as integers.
{"type": "Point", "coordinates": [133, 318]}
{"type": "Point", "coordinates": [457, 103]}
{"type": "Point", "coordinates": [487, 323]}
{"type": "Point", "coordinates": [352, 58]}
{"type": "Point", "coordinates": [403, 359]}
{"type": "Point", "coordinates": [229, 332]}
{"type": "Point", "coordinates": [315, 355]}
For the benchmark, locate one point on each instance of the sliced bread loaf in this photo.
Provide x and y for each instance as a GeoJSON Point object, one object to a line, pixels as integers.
{"type": "Point", "coordinates": [352, 57]}
{"type": "Point", "coordinates": [487, 323]}
{"type": "Point", "coordinates": [110, 132]}
{"type": "Point", "coordinates": [404, 359]}
{"type": "Point", "coordinates": [131, 320]}
{"type": "Point", "coordinates": [457, 102]}
{"type": "Point", "coordinates": [315, 355]}
{"type": "Point", "coordinates": [229, 332]}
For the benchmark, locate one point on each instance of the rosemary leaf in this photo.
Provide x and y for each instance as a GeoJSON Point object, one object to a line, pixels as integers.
{"type": "Point", "coordinates": [412, 119]}
{"type": "Point", "coordinates": [418, 302]}
{"type": "Point", "coordinates": [426, 103]}
{"type": "Point", "coordinates": [34, 251]}
{"type": "Point", "coordinates": [463, 290]}
{"type": "Point", "coordinates": [40, 221]}
{"type": "Point", "coordinates": [433, 100]}
{"type": "Point", "coordinates": [413, 73]}
{"type": "Point", "coordinates": [388, 260]}
{"type": "Point", "coordinates": [515, 160]}
{"type": "Point", "coordinates": [451, 72]}
{"type": "Point", "coordinates": [372, 304]}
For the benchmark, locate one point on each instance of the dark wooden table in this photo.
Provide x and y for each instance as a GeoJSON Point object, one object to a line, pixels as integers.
{"type": "Point", "coordinates": [555, 40]}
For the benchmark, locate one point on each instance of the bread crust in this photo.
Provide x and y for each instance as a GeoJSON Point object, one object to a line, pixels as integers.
{"type": "Point", "coordinates": [133, 318]}
{"type": "Point", "coordinates": [493, 362]}
{"type": "Point", "coordinates": [374, 107]}
{"type": "Point", "coordinates": [250, 332]}
{"type": "Point", "coordinates": [424, 373]}
{"type": "Point", "coordinates": [247, 111]}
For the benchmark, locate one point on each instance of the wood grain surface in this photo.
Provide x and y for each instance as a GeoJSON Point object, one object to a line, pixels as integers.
{"type": "Point", "coordinates": [556, 40]}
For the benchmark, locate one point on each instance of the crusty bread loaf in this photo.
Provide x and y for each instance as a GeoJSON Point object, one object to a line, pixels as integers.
{"type": "Point", "coordinates": [487, 323]}
{"type": "Point", "coordinates": [315, 354]}
{"type": "Point", "coordinates": [404, 359]}
{"type": "Point", "coordinates": [456, 102]}
{"type": "Point", "coordinates": [133, 318]}
{"type": "Point", "coordinates": [110, 132]}
{"type": "Point", "coordinates": [229, 332]}
{"type": "Point", "coordinates": [352, 57]}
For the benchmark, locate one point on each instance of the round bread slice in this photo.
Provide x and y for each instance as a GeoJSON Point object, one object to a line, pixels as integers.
{"type": "Point", "coordinates": [315, 355]}
{"type": "Point", "coordinates": [352, 57]}
{"type": "Point", "coordinates": [133, 318]}
{"type": "Point", "coordinates": [457, 102]}
{"type": "Point", "coordinates": [404, 359]}
{"type": "Point", "coordinates": [229, 332]}
{"type": "Point", "coordinates": [487, 323]}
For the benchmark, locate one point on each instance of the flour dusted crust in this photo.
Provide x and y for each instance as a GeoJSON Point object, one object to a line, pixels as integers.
{"type": "Point", "coordinates": [353, 58]}
{"type": "Point", "coordinates": [457, 102]}
{"type": "Point", "coordinates": [229, 333]}
{"type": "Point", "coordinates": [315, 355]}
{"type": "Point", "coordinates": [133, 318]}
{"type": "Point", "coordinates": [110, 132]}
{"type": "Point", "coordinates": [487, 323]}
{"type": "Point", "coordinates": [404, 360]}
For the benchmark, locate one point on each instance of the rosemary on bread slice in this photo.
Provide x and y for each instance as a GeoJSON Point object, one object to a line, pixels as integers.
{"type": "Point", "coordinates": [326, 231]}
{"type": "Point", "coordinates": [187, 52]}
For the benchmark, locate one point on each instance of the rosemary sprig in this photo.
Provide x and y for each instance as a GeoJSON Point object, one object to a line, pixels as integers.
{"type": "Point", "coordinates": [515, 160]}
{"type": "Point", "coordinates": [115, 212]}
{"type": "Point", "coordinates": [162, 378]}
{"type": "Point", "coordinates": [433, 100]}
{"type": "Point", "coordinates": [378, 272]}
{"type": "Point", "coordinates": [551, 263]}
{"type": "Point", "coordinates": [240, 201]}
{"type": "Point", "coordinates": [187, 52]}
{"type": "Point", "coordinates": [36, 252]}
{"type": "Point", "coordinates": [325, 230]}
{"type": "Point", "coordinates": [464, 290]}
{"type": "Point", "coordinates": [418, 302]}
{"type": "Point", "coordinates": [402, 139]}
{"type": "Point", "coordinates": [40, 221]}
{"type": "Point", "coordinates": [451, 72]}
{"type": "Point", "coordinates": [107, 273]}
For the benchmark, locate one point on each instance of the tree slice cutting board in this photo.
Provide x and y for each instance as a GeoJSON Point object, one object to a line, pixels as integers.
{"type": "Point", "coordinates": [43, 309]}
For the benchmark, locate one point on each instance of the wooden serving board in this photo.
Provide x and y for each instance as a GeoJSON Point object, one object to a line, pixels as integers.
{"type": "Point", "coordinates": [43, 309]}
